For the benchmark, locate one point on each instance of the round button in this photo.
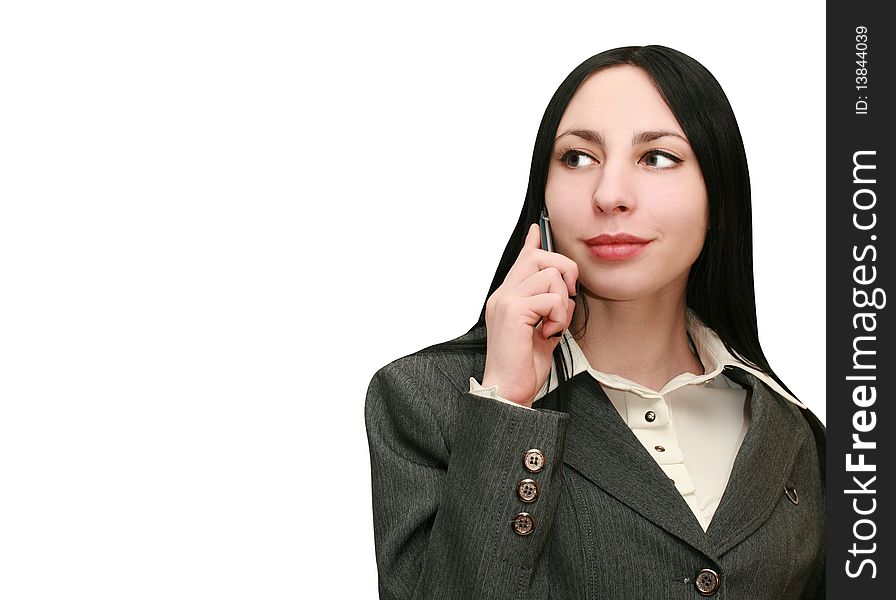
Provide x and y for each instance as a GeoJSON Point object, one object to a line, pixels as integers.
{"type": "Point", "coordinates": [650, 416]}
{"type": "Point", "coordinates": [534, 460]}
{"type": "Point", "coordinates": [791, 494]}
{"type": "Point", "coordinates": [523, 523]}
{"type": "Point", "coordinates": [707, 582]}
{"type": "Point", "coordinates": [659, 448]}
{"type": "Point", "coordinates": [527, 490]}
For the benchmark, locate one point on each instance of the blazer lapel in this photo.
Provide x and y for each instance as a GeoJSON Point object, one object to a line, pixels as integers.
{"type": "Point", "coordinates": [761, 467]}
{"type": "Point", "coordinates": [601, 447]}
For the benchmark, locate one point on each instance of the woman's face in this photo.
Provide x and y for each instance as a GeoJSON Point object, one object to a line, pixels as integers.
{"type": "Point", "coordinates": [621, 164]}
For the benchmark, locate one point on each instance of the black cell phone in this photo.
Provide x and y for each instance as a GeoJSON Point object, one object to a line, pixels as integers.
{"type": "Point", "coordinates": [547, 239]}
{"type": "Point", "coordinates": [544, 225]}
{"type": "Point", "coordinates": [547, 243]}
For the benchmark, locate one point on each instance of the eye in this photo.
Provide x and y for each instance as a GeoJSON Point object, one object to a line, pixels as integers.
{"type": "Point", "coordinates": [573, 159]}
{"type": "Point", "coordinates": [658, 159]}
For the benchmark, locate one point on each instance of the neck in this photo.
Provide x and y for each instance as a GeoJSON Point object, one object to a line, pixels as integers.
{"type": "Point", "coordinates": [643, 340]}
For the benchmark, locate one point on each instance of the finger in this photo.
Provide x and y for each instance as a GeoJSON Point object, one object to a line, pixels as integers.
{"type": "Point", "coordinates": [547, 280]}
{"type": "Point", "coordinates": [567, 267]}
{"type": "Point", "coordinates": [538, 261]}
{"type": "Point", "coordinates": [522, 266]}
{"type": "Point", "coordinates": [570, 312]}
{"type": "Point", "coordinates": [550, 309]}
{"type": "Point", "coordinates": [532, 260]}
{"type": "Point", "coordinates": [565, 325]}
{"type": "Point", "coordinates": [533, 237]}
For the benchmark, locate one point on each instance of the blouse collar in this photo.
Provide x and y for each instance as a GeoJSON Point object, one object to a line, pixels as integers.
{"type": "Point", "coordinates": [710, 349]}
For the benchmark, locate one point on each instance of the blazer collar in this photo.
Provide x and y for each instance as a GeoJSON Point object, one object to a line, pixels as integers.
{"type": "Point", "coordinates": [762, 466]}
{"type": "Point", "coordinates": [601, 447]}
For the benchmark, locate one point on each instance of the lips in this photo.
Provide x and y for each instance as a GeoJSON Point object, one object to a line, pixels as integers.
{"type": "Point", "coordinates": [616, 238]}
{"type": "Point", "coordinates": [617, 246]}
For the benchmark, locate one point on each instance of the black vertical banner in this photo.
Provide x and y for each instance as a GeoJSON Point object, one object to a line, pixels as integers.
{"type": "Point", "coordinates": [861, 371]}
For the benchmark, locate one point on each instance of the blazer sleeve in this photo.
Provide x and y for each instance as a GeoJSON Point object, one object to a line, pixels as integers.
{"type": "Point", "coordinates": [816, 584]}
{"type": "Point", "coordinates": [445, 467]}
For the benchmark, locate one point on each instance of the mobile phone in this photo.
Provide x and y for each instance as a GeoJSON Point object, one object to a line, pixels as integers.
{"type": "Point", "coordinates": [544, 225]}
{"type": "Point", "coordinates": [547, 243]}
{"type": "Point", "coordinates": [547, 238]}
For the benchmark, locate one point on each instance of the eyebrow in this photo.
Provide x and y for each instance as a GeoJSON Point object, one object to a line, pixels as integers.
{"type": "Point", "coordinates": [642, 137]}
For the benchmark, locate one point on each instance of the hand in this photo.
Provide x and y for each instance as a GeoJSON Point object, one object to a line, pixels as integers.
{"type": "Point", "coordinates": [519, 349]}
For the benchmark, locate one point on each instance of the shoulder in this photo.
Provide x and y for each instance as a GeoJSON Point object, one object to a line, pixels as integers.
{"type": "Point", "coordinates": [439, 364]}
{"type": "Point", "coordinates": [428, 381]}
{"type": "Point", "coordinates": [799, 419]}
{"type": "Point", "coordinates": [414, 401]}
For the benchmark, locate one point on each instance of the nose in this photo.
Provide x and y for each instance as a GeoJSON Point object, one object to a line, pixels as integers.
{"type": "Point", "coordinates": [613, 191]}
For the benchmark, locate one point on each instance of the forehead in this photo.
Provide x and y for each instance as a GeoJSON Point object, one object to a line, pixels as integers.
{"type": "Point", "coordinates": [619, 98]}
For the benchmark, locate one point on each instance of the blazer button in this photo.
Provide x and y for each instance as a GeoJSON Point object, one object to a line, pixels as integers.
{"type": "Point", "coordinates": [534, 460]}
{"type": "Point", "coordinates": [523, 523]}
{"type": "Point", "coordinates": [707, 582]}
{"type": "Point", "coordinates": [527, 490]}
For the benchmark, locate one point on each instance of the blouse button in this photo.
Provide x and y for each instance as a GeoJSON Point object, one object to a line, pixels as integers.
{"type": "Point", "coordinates": [659, 448]}
{"type": "Point", "coordinates": [650, 416]}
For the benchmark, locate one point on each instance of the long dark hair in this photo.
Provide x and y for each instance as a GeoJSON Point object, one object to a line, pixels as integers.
{"type": "Point", "coordinates": [720, 287]}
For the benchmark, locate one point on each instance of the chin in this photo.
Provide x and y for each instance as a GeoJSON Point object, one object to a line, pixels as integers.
{"type": "Point", "coordinates": [619, 291]}
{"type": "Point", "coordinates": [623, 286]}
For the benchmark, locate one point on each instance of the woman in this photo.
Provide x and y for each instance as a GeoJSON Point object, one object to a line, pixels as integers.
{"type": "Point", "coordinates": [628, 439]}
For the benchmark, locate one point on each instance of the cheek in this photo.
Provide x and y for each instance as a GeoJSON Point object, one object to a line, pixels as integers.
{"type": "Point", "coordinates": [568, 201]}
{"type": "Point", "coordinates": [683, 206]}
{"type": "Point", "coordinates": [563, 188]}
{"type": "Point", "coordinates": [685, 220]}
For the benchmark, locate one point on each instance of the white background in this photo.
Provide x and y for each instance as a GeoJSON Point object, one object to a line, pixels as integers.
{"type": "Point", "coordinates": [219, 219]}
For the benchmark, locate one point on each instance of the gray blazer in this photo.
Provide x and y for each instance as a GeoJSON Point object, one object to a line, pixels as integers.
{"type": "Point", "coordinates": [608, 523]}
